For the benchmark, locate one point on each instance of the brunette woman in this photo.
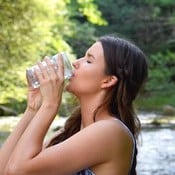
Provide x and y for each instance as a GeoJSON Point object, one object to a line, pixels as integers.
{"type": "Point", "coordinates": [100, 136]}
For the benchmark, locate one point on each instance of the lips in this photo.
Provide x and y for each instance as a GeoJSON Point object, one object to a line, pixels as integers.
{"type": "Point", "coordinates": [73, 74]}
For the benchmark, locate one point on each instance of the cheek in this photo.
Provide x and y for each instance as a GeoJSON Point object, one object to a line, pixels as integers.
{"type": "Point", "coordinates": [91, 78]}
{"type": "Point", "coordinates": [87, 79]}
{"type": "Point", "coordinates": [84, 84]}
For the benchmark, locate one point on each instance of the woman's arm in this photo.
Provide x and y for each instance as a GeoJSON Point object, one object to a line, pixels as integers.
{"type": "Point", "coordinates": [34, 100]}
{"type": "Point", "coordinates": [93, 145]}
{"type": "Point", "coordinates": [13, 139]}
{"type": "Point", "coordinates": [51, 88]}
{"type": "Point", "coordinates": [30, 143]}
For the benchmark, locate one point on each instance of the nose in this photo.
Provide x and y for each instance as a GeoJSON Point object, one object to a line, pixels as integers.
{"type": "Point", "coordinates": [75, 64]}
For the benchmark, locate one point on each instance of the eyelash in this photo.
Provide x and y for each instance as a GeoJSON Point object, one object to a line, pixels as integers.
{"type": "Point", "coordinates": [88, 61]}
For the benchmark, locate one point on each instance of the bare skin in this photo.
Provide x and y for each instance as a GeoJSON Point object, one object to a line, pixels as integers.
{"type": "Point", "coordinates": [104, 146]}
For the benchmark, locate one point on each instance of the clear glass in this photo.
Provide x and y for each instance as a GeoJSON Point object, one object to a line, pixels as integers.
{"type": "Point", "coordinates": [32, 78]}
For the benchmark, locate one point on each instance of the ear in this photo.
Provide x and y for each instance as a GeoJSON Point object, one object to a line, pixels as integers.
{"type": "Point", "coordinates": [109, 81]}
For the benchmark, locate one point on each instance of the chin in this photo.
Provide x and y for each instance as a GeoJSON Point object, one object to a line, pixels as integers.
{"type": "Point", "coordinates": [68, 88]}
{"type": "Point", "coordinates": [71, 90]}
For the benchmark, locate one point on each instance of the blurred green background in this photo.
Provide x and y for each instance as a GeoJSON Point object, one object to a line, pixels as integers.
{"type": "Point", "coordinates": [32, 29]}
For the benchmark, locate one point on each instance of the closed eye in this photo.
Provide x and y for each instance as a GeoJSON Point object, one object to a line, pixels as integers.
{"type": "Point", "coordinates": [89, 57]}
{"type": "Point", "coordinates": [88, 61]}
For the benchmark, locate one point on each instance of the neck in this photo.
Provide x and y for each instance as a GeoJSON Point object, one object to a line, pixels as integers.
{"type": "Point", "coordinates": [89, 104]}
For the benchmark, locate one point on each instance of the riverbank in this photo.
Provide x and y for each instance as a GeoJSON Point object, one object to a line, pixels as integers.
{"type": "Point", "coordinates": [153, 120]}
{"type": "Point", "coordinates": [148, 120]}
{"type": "Point", "coordinates": [156, 100]}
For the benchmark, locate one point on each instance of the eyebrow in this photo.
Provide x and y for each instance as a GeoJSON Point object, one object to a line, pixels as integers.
{"type": "Point", "coordinates": [90, 55]}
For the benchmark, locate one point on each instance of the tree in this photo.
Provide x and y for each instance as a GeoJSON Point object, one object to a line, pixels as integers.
{"type": "Point", "coordinates": [32, 29]}
{"type": "Point", "coordinates": [84, 16]}
{"type": "Point", "coordinates": [25, 37]}
{"type": "Point", "coordinates": [150, 24]}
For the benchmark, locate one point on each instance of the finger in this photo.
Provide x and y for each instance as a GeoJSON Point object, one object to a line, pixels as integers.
{"type": "Point", "coordinates": [43, 69]}
{"type": "Point", "coordinates": [29, 84]}
{"type": "Point", "coordinates": [50, 67]}
{"type": "Point", "coordinates": [60, 64]}
{"type": "Point", "coordinates": [38, 72]}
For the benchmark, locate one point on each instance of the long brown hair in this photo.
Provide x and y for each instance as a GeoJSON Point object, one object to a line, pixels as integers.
{"type": "Point", "coordinates": [128, 63]}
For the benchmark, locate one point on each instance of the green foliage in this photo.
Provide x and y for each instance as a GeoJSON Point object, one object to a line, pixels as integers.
{"type": "Point", "coordinates": [163, 3]}
{"type": "Point", "coordinates": [119, 15]}
{"type": "Point", "coordinates": [22, 32]}
{"type": "Point", "coordinates": [86, 11]}
{"type": "Point", "coordinates": [25, 36]}
{"type": "Point", "coordinates": [32, 29]}
{"type": "Point", "coordinates": [90, 10]}
{"type": "Point", "coordinates": [148, 24]}
{"type": "Point", "coordinates": [13, 88]}
{"type": "Point", "coordinates": [155, 100]}
{"type": "Point", "coordinates": [83, 15]}
{"type": "Point", "coordinates": [77, 39]}
{"type": "Point", "coordinates": [161, 74]}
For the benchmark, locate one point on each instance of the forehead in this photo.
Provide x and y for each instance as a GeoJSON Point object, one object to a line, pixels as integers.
{"type": "Point", "coordinates": [96, 49]}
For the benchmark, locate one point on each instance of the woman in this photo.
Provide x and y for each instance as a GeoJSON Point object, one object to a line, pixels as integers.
{"type": "Point", "coordinates": [99, 138]}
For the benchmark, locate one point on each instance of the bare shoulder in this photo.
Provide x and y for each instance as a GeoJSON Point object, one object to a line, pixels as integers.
{"type": "Point", "coordinates": [110, 133]}
{"type": "Point", "coordinates": [112, 127]}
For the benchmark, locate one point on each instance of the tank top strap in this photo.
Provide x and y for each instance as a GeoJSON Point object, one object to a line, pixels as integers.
{"type": "Point", "coordinates": [134, 144]}
{"type": "Point", "coordinates": [85, 172]}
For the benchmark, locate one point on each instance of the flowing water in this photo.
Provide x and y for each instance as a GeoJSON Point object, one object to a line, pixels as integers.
{"type": "Point", "coordinates": [157, 152]}
{"type": "Point", "coordinates": [156, 149]}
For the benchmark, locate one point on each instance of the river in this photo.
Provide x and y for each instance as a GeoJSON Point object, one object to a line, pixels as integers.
{"type": "Point", "coordinates": [156, 147]}
{"type": "Point", "coordinates": [157, 152]}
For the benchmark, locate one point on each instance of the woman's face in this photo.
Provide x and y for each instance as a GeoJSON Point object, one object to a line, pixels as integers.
{"type": "Point", "coordinates": [88, 72]}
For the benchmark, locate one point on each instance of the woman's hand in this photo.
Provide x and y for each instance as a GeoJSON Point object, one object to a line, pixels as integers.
{"type": "Point", "coordinates": [34, 99]}
{"type": "Point", "coordinates": [51, 82]}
